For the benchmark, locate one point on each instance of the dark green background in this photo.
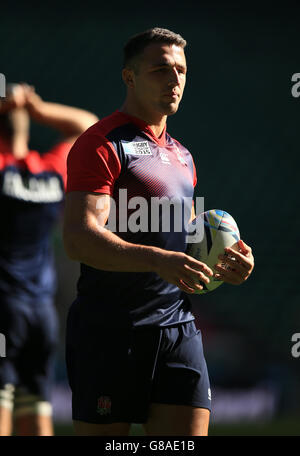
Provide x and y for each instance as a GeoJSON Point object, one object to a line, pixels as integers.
{"type": "Point", "coordinates": [239, 120]}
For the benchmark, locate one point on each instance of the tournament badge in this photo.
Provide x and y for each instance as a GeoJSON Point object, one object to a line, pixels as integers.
{"type": "Point", "coordinates": [104, 405]}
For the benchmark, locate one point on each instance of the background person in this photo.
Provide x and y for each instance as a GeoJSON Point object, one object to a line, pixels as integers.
{"type": "Point", "coordinates": [32, 190]}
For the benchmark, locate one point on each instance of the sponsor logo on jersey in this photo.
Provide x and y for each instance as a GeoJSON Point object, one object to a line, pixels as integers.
{"type": "Point", "coordinates": [137, 148]}
{"type": "Point", "coordinates": [33, 189]}
{"type": "Point", "coordinates": [104, 405]}
{"type": "Point", "coordinates": [164, 157]}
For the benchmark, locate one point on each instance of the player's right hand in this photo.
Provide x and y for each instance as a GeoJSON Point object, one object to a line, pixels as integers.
{"type": "Point", "coordinates": [183, 271]}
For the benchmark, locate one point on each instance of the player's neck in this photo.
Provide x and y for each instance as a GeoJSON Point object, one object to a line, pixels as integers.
{"type": "Point", "coordinates": [156, 121]}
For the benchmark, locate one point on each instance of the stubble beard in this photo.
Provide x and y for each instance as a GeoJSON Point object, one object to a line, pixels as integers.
{"type": "Point", "coordinates": [169, 109]}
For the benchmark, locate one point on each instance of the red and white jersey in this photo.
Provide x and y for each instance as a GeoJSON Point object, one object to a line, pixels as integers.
{"type": "Point", "coordinates": [121, 156]}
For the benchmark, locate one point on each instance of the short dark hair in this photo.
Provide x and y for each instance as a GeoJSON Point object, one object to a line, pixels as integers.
{"type": "Point", "coordinates": [136, 44]}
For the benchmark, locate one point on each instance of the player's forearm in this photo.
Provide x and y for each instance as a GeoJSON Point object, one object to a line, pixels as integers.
{"type": "Point", "coordinates": [106, 251]}
{"type": "Point", "coordinates": [67, 119]}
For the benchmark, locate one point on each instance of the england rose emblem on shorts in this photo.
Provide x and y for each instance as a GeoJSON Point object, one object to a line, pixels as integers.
{"type": "Point", "coordinates": [104, 405]}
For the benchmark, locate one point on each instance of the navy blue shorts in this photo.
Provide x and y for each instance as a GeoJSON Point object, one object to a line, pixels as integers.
{"type": "Point", "coordinates": [115, 374]}
{"type": "Point", "coordinates": [31, 337]}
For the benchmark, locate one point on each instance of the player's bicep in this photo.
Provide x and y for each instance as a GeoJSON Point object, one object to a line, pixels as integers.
{"type": "Point", "coordinates": [84, 211]}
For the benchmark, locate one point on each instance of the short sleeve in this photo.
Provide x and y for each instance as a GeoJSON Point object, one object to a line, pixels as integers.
{"type": "Point", "coordinates": [92, 165]}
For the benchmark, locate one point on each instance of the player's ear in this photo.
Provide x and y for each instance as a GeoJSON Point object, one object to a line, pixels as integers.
{"type": "Point", "coordinates": [128, 77]}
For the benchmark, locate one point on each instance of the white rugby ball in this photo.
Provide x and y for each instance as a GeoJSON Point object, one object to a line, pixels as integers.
{"type": "Point", "coordinates": [219, 230]}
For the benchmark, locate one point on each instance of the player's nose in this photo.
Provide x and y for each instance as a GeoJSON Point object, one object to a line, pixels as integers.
{"type": "Point", "coordinates": [174, 78]}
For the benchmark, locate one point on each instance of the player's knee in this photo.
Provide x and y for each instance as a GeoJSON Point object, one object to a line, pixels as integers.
{"type": "Point", "coordinates": [7, 396]}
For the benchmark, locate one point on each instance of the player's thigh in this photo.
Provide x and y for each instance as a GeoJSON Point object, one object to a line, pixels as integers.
{"type": "Point", "coordinates": [169, 419]}
{"type": "Point", "coordinates": [36, 365]}
{"type": "Point", "coordinates": [180, 398]}
{"type": "Point", "coordinates": [116, 429]}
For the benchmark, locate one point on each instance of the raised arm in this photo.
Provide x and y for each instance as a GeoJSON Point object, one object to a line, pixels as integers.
{"type": "Point", "coordinates": [88, 241]}
{"type": "Point", "coordinates": [70, 121]}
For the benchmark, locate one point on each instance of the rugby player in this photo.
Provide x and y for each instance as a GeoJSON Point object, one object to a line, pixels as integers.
{"type": "Point", "coordinates": [32, 189]}
{"type": "Point", "coordinates": [133, 352]}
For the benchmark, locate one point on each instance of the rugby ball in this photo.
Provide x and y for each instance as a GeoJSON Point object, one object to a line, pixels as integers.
{"type": "Point", "coordinates": [210, 232]}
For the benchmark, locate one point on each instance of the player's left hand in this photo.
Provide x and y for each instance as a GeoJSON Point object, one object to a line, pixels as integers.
{"type": "Point", "coordinates": [33, 100]}
{"type": "Point", "coordinates": [236, 265]}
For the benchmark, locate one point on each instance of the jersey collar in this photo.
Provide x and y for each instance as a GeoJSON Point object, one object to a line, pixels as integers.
{"type": "Point", "coordinates": [142, 125]}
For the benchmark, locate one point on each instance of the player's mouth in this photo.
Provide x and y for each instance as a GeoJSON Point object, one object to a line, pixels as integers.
{"type": "Point", "coordinates": [172, 95]}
